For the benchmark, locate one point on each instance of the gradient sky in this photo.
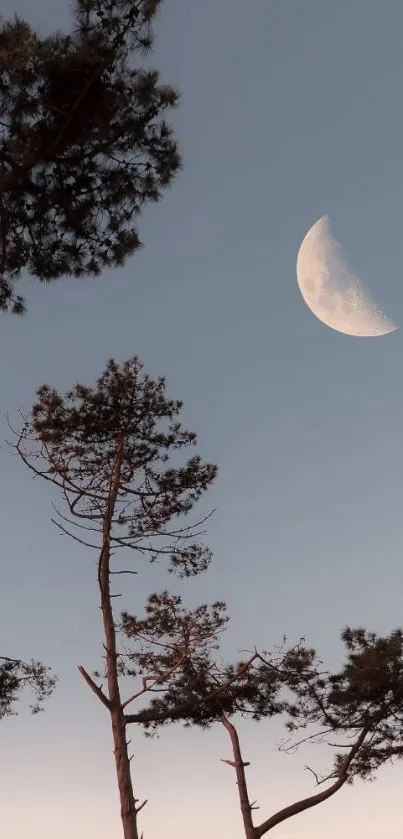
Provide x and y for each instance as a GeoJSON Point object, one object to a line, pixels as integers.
{"type": "Point", "coordinates": [290, 110]}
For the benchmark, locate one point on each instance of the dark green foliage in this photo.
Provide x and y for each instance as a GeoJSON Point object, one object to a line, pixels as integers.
{"type": "Point", "coordinates": [83, 143]}
{"type": "Point", "coordinates": [173, 650]}
{"type": "Point", "coordinates": [78, 436]}
{"type": "Point", "coordinates": [15, 675]}
{"type": "Point", "coordinates": [366, 695]}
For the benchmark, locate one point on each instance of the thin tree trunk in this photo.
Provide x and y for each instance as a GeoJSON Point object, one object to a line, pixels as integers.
{"type": "Point", "coordinates": [239, 766]}
{"type": "Point", "coordinates": [128, 808]}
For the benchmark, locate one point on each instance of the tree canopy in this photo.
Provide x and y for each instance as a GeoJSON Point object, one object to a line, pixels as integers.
{"type": "Point", "coordinates": [16, 676]}
{"type": "Point", "coordinates": [84, 143]}
{"type": "Point", "coordinates": [364, 698]}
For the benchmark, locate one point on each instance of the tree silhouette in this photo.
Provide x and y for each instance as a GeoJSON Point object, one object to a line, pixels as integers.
{"type": "Point", "coordinates": [361, 706]}
{"type": "Point", "coordinates": [107, 449]}
{"type": "Point", "coordinates": [84, 144]}
{"type": "Point", "coordinates": [17, 675]}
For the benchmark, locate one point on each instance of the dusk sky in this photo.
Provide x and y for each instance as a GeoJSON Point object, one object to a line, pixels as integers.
{"type": "Point", "coordinates": [291, 109]}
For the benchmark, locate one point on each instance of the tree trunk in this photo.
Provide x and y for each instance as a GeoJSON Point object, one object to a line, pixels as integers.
{"type": "Point", "coordinates": [127, 803]}
{"type": "Point", "coordinates": [239, 765]}
{"type": "Point", "coordinates": [128, 808]}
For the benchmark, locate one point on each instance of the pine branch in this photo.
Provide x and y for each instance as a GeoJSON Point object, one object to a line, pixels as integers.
{"type": "Point", "coordinates": [181, 710]}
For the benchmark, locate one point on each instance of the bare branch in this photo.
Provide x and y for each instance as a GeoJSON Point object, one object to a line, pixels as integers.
{"type": "Point", "coordinates": [98, 692]}
{"type": "Point", "coordinates": [72, 536]}
{"type": "Point", "coordinates": [75, 523]}
{"type": "Point", "coordinates": [317, 779]}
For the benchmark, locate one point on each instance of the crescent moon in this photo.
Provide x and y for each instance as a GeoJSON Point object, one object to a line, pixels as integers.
{"type": "Point", "coordinates": [332, 291]}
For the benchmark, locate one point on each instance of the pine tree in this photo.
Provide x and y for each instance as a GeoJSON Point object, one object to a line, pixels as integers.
{"type": "Point", "coordinates": [84, 144]}
{"type": "Point", "coordinates": [107, 449]}
{"type": "Point", "coordinates": [360, 707]}
{"type": "Point", "coordinates": [16, 676]}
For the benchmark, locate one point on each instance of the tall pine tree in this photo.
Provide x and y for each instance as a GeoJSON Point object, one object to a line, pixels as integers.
{"type": "Point", "coordinates": [108, 448]}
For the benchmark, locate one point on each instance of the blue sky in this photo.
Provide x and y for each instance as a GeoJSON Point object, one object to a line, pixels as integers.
{"type": "Point", "coordinates": [290, 110]}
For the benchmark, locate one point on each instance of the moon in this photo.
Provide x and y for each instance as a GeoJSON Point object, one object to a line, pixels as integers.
{"type": "Point", "coordinates": [332, 291]}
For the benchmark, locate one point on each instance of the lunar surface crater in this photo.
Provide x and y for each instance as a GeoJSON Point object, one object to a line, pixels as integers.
{"type": "Point", "coordinates": [332, 291]}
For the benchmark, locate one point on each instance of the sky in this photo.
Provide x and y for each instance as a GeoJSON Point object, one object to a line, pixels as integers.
{"type": "Point", "coordinates": [290, 110]}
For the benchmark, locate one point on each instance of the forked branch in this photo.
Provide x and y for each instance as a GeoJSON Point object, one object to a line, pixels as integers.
{"type": "Point", "coordinates": [255, 832]}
